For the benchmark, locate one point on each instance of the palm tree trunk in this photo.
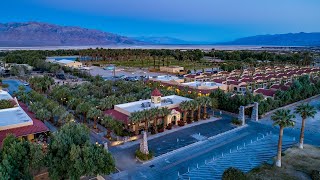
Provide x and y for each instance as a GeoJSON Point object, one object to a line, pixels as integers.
{"type": "Point", "coordinates": [95, 123]}
{"type": "Point", "coordinates": [155, 125]}
{"type": "Point", "coordinates": [146, 125]}
{"type": "Point", "coordinates": [136, 131]}
{"type": "Point", "coordinates": [199, 113]}
{"type": "Point", "coordinates": [278, 162]}
{"type": "Point", "coordinates": [185, 116]}
{"type": "Point", "coordinates": [302, 133]}
{"type": "Point", "coordinates": [192, 115]}
{"type": "Point", "coordinates": [204, 112]}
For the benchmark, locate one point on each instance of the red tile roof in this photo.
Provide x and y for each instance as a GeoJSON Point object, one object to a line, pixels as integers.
{"type": "Point", "coordinates": [279, 87]}
{"type": "Point", "coordinates": [266, 92]}
{"type": "Point", "coordinates": [190, 76]}
{"type": "Point", "coordinates": [118, 116]}
{"type": "Point", "coordinates": [218, 81]}
{"type": "Point", "coordinates": [233, 82]}
{"type": "Point", "coordinates": [37, 127]}
{"type": "Point", "coordinates": [156, 92]}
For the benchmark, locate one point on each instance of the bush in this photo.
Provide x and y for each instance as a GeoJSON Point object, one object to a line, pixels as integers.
{"type": "Point", "coordinates": [169, 126]}
{"type": "Point", "coordinates": [180, 123]}
{"type": "Point", "coordinates": [315, 175]}
{"type": "Point", "coordinates": [233, 174]}
{"type": "Point", "coordinates": [5, 104]}
{"type": "Point", "coordinates": [143, 157]}
{"type": "Point", "coordinates": [236, 121]}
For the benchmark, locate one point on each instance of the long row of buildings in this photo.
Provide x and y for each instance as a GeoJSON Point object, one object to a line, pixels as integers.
{"type": "Point", "coordinates": [263, 80]}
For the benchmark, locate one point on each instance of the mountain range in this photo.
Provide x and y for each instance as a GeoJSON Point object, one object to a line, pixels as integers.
{"type": "Point", "coordinates": [25, 34]}
{"type": "Point", "coordinates": [44, 34]}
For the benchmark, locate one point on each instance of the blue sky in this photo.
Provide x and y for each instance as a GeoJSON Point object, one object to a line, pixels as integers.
{"type": "Point", "coordinates": [197, 20]}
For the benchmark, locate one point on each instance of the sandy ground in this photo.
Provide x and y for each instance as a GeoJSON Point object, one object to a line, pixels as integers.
{"type": "Point", "coordinates": [296, 164]}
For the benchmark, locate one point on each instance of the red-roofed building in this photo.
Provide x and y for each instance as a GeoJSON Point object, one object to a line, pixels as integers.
{"type": "Point", "coordinates": [19, 121]}
{"type": "Point", "coordinates": [267, 93]}
{"type": "Point", "coordinates": [279, 87]}
{"type": "Point", "coordinates": [156, 92]}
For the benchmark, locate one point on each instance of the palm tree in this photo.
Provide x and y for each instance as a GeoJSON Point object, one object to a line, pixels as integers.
{"type": "Point", "coordinates": [193, 105]}
{"type": "Point", "coordinates": [184, 106]}
{"type": "Point", "coordinates": [164, 112]}
{"type": "Point", "coordinates": [58, 112]}
{"type": "Point", "coordinates": [83, 108]}
{"type": "Point", "coordinates": [43, 114]}
{"type": "Point", "coordinates": [214, 104]}
{"type": "Point", "coordinates": [145, 115]}
{"type": "Point", "coordinates": [95, 114]}
{"type": "Point", "coordinates": [305, 111]}
{"type": "Point", "coordinates": [282, 118]}
{"type": "Point", "coordinates": [154, 114]}
{"type": "Point", "coordinates": [135, 119]}
{"type": "Point", "coordinates": [200, 103]}
{"type": "Point", "coordinates": [206, 102]}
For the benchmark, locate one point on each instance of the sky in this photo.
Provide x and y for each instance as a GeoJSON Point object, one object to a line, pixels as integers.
{"type": "Point", "coordinates": [192, 20]}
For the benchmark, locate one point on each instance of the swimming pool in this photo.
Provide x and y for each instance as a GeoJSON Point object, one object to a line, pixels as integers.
{"type": "Point", "coordinates": [14, 85]}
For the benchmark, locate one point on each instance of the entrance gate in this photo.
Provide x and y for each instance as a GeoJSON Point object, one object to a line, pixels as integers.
{"type": "Point", "coordinates": [254, 115]}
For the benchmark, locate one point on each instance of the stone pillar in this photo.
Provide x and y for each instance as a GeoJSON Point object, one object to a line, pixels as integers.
{"type": "Point", "coordinates": [255, 112]}
{"type": "Point", "coordinates": [241, 115]}
{"type": "Point", "coordinates": [144, 143]}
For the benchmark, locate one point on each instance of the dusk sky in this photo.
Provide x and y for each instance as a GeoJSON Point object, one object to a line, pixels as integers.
{"type": "Point", "coordinates": [197, 20]}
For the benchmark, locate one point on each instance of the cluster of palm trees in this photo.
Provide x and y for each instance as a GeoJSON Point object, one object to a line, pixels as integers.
{"type": "Point", "coordinates": [200, 105]}
{"type": "Point", "coordinates": [148, 115]}
{"type": "Point", "coordinates": [41, 84]}
{"type": "Point", "coordinates": [283, 118]}
{"type": "Point", "coordinates": [44, 109]}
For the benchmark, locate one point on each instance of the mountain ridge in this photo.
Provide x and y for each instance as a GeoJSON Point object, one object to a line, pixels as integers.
{"type": "Point", "coordinates": [45, 34]}
{"type": "Point", "coordinates": [287, 39]}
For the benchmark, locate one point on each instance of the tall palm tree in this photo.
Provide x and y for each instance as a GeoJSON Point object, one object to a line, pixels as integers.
{"type": "Point", "coordinates": [154, 114]}
{"type": "Point", "coordinates": [200, 103]}
{"type": "Point", "coordinates": [282, 118]}
{"type": "Point", "coordinates": [214, 104]}
{"type": "Point", "coordinates": [184, 106]}
{"type": "Point", "coordinates": [164, 112]}
{"type": "Point", "coordinates": [135, 119]}
{"type": "Point", "coordinates": [206, 102]}
{"type": "Point", "coordinates": [193, 105]}
{"type": "Point", "coordinates": [145, 115]}
{"type": "Point", "coordinates": [95, 114]}
{"type": "Point", "coordinates": [305, 111]}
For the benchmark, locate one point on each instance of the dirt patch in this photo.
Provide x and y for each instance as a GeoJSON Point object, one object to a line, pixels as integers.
{"type": "Point", "coordinates": [297, 164]}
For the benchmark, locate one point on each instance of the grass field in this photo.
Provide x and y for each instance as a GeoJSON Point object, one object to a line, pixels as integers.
{"type": "Point", "coordinates": [149, 63]}
{"type": "Point", "coordinates": [297, 164]}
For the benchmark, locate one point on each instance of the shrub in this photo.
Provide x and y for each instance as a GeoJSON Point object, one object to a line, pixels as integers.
{"type": "Point", "coordinates": [315, 175]}
{"type": "Point", "coordinates": [233, 174]}
{"type": "Point", "coordinates": [169, 126]}
{"type": "Point", "coordinates": [4, 104]}
{"type": "Point", "coordinates": [180, 123]}
{"type": "Point", "coordinates": [236, 121]}
{"type": "Point", "coordinates": [143, 157]}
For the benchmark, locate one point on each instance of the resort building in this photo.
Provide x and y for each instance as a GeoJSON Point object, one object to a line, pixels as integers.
{"type": "Point", "coordinates": [123, 112]}
{"type": "Point", "coordinates": [18, 121]}
{"type": "Point", "coordinates": [206, 85]}
{"type": "Point", "coordinates": [167, 79]}
{"type": "Point", "coordinates": [172, 69]}
{"type": "Point", "coordinates": [66, 62]}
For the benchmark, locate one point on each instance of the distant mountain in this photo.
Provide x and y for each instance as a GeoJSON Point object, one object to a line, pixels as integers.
{"type": "Point", "coordinates": [161, 40]}
{"type": "Point", "coordinates": [290, 39]}
{"type": "Point", "coordinates": [43, 34]}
